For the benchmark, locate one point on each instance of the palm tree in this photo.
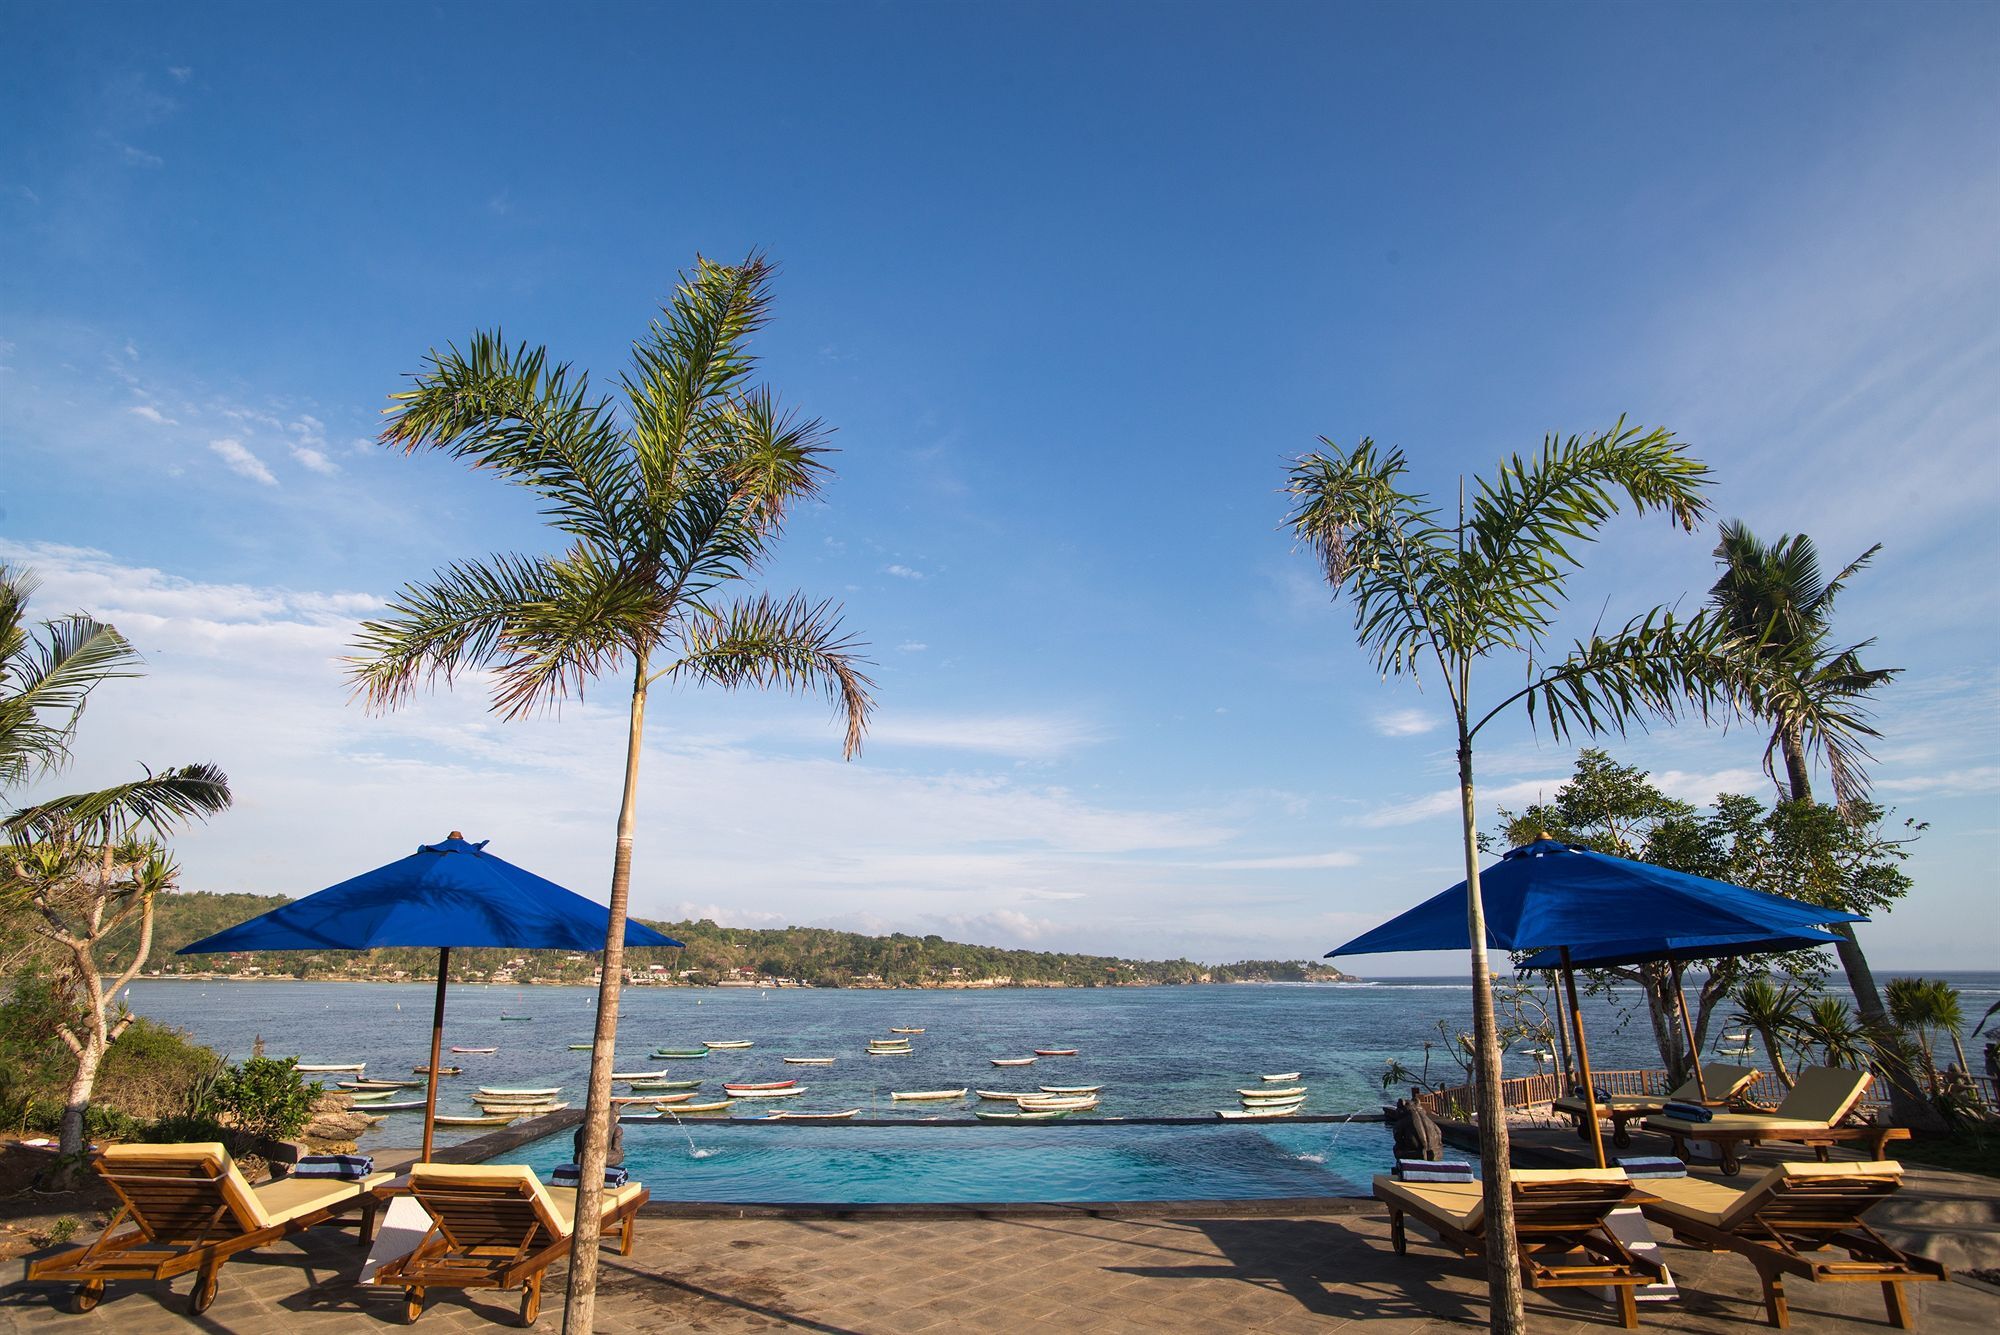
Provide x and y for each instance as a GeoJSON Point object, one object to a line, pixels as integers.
{"type": "Point", "coordinates": [72, 867]}
{"type": "Point", "coordinates": [1428, 593]}
{"type": "Point", "coordinates": [1927, 1007]}
{"type": "Point", "coordinates": [664, 510]}
{"type": "Point", "coordinates": [1812, 693]}
{"type": "Point", "coordinates": [1772, 1009]}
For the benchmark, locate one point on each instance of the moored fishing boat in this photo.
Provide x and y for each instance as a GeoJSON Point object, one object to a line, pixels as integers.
{"type": "Point", "coordinates": [807, 1061]}
{"type": "Point", "coordinates": [1293, 1102]}
{"type": "Point", "coordinates": [738, 1086]}
{"type": "Point", "coordinates": [790, 1093]}
{"type": "Point", "coordinates": [1256, 1114]}
{"type": "Point", "coordinates": [622, 1076]}
{"type": "Point", "coordinates": [680, 1054]}
{"type": "Point", "coordinates": [442, 1070]}
{"type": "Point", "coordinates": [1282, 1078]}
{"type": "Point", "coordinates": [520, 1109]}
{"type": "Point", "coordinates": [1055, 1052]}
{"type": "Point", "coordinates": [994, 1115]}
{"type": "Point", "coordinates": [926, 1095]}
{"type": "Point", "coordinates": [488, 1119]}
{"type": "Point", "coordinates": [714, 1044]}
{"type": "Point", "coordinates": [1285, 1091]}
{"type": "Point", "coordinates": [1012, 1061]}
{"type": "Point", "coordinates": [888, 1052]}
{"type": "Point", "coordinates": [406, 1106]}
{"type": "Point", "coordinates": [328, 1068]}
{"type": "Point", "coordinates": [518, 1092]}
{"type": "Point", "coordinates": [367, 1098]}
{"type": "Point", "coordinates": [517, 1017]}
{"type": "Point", "coordinates": [894, 1029]}
{"type": "Point", "coordinates": [841, 1116]}
{"type": "Point", "coordinates": [1002, 1096]}
{"type": "Point", "coordinates": [477, 1050]}
{"type": "Point", "coordinates": [1054, 1103]}
{"type": "Point", "coordinates": [581, 1047]}
{"type": "Point", "coordinates": [671, 1100]}
{"type": "Point", "coordinates": [717, 1105]}
{"type": "Point", "coordinates": [666, 1084]}
{"type": "Point", "coordinates": [1070, 1089]}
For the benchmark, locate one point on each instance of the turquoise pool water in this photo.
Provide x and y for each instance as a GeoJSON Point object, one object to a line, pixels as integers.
{"type": "Point", "coordinates": [1082, 1162]}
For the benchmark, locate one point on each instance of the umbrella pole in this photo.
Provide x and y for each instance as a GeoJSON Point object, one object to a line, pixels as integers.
{"type": "Point", "coordinates": [1566, 1072]}
{"type": "Point", "coordinates": [437, 1053]}
{"type": "Point", "coordinates": [1583, 1062]}
{"type": "Point", "coordinates": [1687, 1028]}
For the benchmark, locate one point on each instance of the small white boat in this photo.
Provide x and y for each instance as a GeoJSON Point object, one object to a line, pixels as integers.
{"type": "Point", "coordinates": [1289, 1101]}
{"type": "Point", "coordinates": [1071, 1089]}
{"type": "Point", "coordinates": [1012, 1061]}
{"type": "Point", "coordinates": [807, 1061]}
{"type": "Point", "coordinates": [482, 1050]}
{"type": "Point", "coordinates": [638, 1075]}
{"type": "Point", "coordinates": [923, 1095]}
{"type": "Point", "coordinates": [896, 1029]}
{"type": "Point", "coordinates": [1256, 1114]}
{"type": "Point", "coordinates": [516, 1109]}
{"type": "Point", "coordinates": [727, 1043]}
{"type": "Point", "coordinates": [490, 1119]}
{"type": "Point", "coordinates": [715, 1105]}
{"type": "Point", "coordinates": [1001, 1096]}
{"type": "Point", "coordinates": [1281, 1078]}
{"type": "Point", "coordinates": [324, 1068]}
{"type": "Point", "coordinates": [668, 1100]}
{"type": "Point", "coordinates": [1284, 1092]}
{"type": "Point", "coordinates": [791, 1093]}
{"type": "Point", "coordinates": [1083, 1104]}
{"type": "Point", "coordinates": [840, 1116]}
{"type": "Point", "coordinates": [1046, 1115]}
{"type": "Point", "coordinates": [888, 1052]}
{"type": "Point", "coordinates": [407, 1105]}
{"type": "Point", "coordinates": [365, 1098]}
{"type": "Point", "coordinates": [507, 1092]}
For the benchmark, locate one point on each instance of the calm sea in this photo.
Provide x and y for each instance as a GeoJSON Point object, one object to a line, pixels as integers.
{"type": "Point", "coordinates": [1161, 1051]}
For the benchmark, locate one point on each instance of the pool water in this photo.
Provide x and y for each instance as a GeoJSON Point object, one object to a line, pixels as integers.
{"type": "Point", "coordinates": [1084, 1162]}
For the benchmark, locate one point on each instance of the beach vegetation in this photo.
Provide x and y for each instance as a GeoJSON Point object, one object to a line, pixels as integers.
{"type": "Point", "coordinates": [667, 499]}
{"type": "Point", "coordinates": [1436, 598]}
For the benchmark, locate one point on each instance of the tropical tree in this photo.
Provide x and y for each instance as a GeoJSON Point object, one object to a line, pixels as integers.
{"type": "Point", "coordinates": [73, 869]}
{"type": "Point", "coordinates": [1428, 593]}
{"type": "Point", "coordinates": [1772, 1008]}
{"type": "Point", "coordinates": [1813, 693]}
{"type": "Point", "coordinates": [666, 502]}
{"type": "Point", "coordinates": [1927, 1009]}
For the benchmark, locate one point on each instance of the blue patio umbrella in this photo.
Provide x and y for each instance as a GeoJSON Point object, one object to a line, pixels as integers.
{"type": "Point", "coordinates": [1590, 907]}
{"type": "Point", "coordinates": [452, 893]}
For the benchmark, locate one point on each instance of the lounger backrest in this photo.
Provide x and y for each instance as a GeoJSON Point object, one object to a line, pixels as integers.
{"type": "Point", "coordinates": [1560, 1194]}
{"type": "Point", "coordinates": [1722, 1082]}
{"type": "Point", "coordinates": [174, 1191]}
{"type": "Point", "coordinates": [1824, 1094]}
{"type": "Point", "coordinates": [1814, 1196]}
{"type": "Point", "coordinates": [487, 1205]}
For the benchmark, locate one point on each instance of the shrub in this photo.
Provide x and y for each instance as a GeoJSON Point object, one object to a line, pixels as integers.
{"type": "Point", "coordinates": [266, 1097]}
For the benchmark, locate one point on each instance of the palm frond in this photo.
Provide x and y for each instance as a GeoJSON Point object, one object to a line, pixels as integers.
{"type": "Point", "coordinates": [452, 623]}
{"type": "Point", "coordinates": [596, 612]}
{"type": "Point", "coordinates": [773, 457]}
{"type": "Point", "coordinates": [510, 410]}
{"type": "Point", "coordinates": [1655, 665]}
{"type": "Point", "coordinates": [791, 644]}
{"type": "Point", "coordinates": [46, 680]}
{"type": "Point", "coordinates": [158, 802]}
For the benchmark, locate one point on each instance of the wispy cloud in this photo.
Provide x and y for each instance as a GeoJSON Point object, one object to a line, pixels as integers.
{"type": "Point", "coordinates": [134, 156]}
{"type": "Point", "coordinates": [1289, 862]}
{"type": "Point", "coordinates": [181, 73]}
{"type": "Point", "coordinates": [1027, 736]}
{"type": "Point", "coordinates": [911, 647]}
{"type": "Point", "coordinates": [902, 572]}
{"type": "Point", "coordinates": [242, 461]}
{"type": "Point", "coordinates": [1405, 722]}
{"type": "Point", "coordinates": [152, 414]}
{"type": "Point", "coordinates": [316, 460]}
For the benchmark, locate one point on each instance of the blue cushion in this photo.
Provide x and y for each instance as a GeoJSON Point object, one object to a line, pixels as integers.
{"type": "Point", "coordinates": [1435, 1172]}
{"type": "Point", "coordinates": [1689, 1112]}
{"type": "Point", "coordinates": [1653, 1165]}
{"type": "Point", "coordinates": [570, 1175]}
{"type": "Point", "coordinates": [1415, 1176]}
{"type": "Point", "coordinates": [351, 1167]}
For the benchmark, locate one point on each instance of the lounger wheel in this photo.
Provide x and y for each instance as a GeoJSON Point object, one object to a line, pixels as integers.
{"type": "Point", "coordinates": [413, 1304]}
{"type": "Point", "coordinates": [87, 1296]}
{"type": "Point", "coordinates": [205, 1285]}
{"type": "Point", "coordinates": [531, 1303]}
{"type": "Point", "coordinates": [1622, 1137]}
{"type": "Point", "coordinates": [1731, 1165]}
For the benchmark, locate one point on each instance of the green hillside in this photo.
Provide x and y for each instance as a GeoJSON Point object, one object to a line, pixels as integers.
{"type": "Point", "coordinates": [817, 956]}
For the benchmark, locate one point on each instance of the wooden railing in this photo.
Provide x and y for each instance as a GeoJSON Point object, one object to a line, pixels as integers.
{"type": "Point", "coordinates": [1529, 1091]}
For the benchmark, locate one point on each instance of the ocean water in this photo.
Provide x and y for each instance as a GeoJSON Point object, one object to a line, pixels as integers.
{"type": "Point", "coordinates": [1164, 1051]}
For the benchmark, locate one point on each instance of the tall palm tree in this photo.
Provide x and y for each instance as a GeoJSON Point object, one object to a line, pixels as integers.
{"type": "Point", "coordinates": [1773, 1010]}
{"type": "Point", "coordinates": [665, 508]}
{"type": "Point", "coordinates": [1428, 593]}
{"type": "Point", "coordinates": [71, 869]}
{"type": "Point", "coordinates": [1811, 692]}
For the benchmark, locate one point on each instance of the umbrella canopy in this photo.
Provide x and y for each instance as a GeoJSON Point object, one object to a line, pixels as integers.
{"type": "Point", "coordinates": [1644, 950]}
{"type": "Point", "coordinates": [1554, 894]}
{"type": "Point", "coordinates": [452, 893]}
{"type": "Point", "coordinates": [446, 894]}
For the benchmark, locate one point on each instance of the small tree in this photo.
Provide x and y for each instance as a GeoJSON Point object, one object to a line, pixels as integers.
{"type": "Point", "coordinates": [1428, 593]}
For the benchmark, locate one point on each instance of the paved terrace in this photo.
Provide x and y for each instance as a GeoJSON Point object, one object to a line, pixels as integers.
{"type": "Point", "coordinates": [1188, 1269]}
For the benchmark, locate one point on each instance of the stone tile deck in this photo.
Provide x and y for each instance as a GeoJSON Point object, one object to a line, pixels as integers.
{"type": "Point", "coordinates": [1117, 1276]}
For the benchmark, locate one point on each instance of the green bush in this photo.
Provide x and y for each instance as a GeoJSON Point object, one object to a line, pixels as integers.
{"type": "Point", "coordinates": [266, 1097]}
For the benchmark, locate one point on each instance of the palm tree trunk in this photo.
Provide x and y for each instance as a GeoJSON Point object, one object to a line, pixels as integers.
{"type": "Point", "coordinates": [1503, 1267]}
{"type": "Point", "coordinates": [580, 1307]}
{"type": "Point", "coordinates": [1776, 1054]}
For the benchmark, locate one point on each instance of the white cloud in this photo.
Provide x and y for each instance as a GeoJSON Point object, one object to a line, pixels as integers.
{"type": "Point", "coordinates": [1002, 926]}
{"type": "Point", "coordinates": [181, 73]}
{"type": "Point", "coordinates": [152, 414]}
{"type": "Point", "coordinates": [1290, 862]}
{"type": "Point", "coordinates": [911, 647]}
{"type": "Point", "coordinates": [1970, 782]}
{"type": "Point", "coordinates": [1029, 736]}
{"type": "Point", "coordinates": [1447, 800]}
{"type": "Point", "coordinates": [1405, 722]}
{"type": "Point", "coordinates": [902, 572]}
{"type": "Point", "coordinates": [139, 157]}
{"type": "Point", "coordinates": [314, 459]}
{"type": "Point", "coordinates": [242, 461]}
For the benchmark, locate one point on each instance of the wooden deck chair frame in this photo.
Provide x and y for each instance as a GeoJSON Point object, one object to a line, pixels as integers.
{"type": "Point", "coordinates": [178, 1211]}
{"type": "Point", "coordinates": [1556, 1215]}
{"type": "Point", "coordinates": [1726, 1084]}
{"type": "Point", "coordinates": [1801, 1214]}
{"type": "Point", "coordinates": [1733, 1133]}
{"type": "Point", "coordinates": [491, 1229]}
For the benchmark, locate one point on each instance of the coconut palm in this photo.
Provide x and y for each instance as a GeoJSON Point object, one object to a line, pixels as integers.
{"type": "Point", "coordinates": [1773, 1010]}
{"type": "Point", "coordinates": [1828, 1023]}
{"type": "Point", "coordinates": [1927, 1008]}
{"type": "Point", "coordinates": [666, 504]}
{"type": "Point", "coordinates": [1431, 594]}
{"type": "Point", "coordinates": [71, 868]}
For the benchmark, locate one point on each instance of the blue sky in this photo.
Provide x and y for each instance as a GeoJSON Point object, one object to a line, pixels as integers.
{"type": "Point", "coordinates": [1073, 282]}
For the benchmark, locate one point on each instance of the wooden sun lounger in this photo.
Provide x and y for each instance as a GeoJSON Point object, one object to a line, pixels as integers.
{"type": "Point", "coordinates": [1559, 1219]}
{"type": "Point", "coordinates": [495, 1226]}
{"type": "Point", "coordinates": [1724, 1084]}
{"type": "Point", "coordinates": [1810, 1115]}
{"type": "Point", "coordinates": [1791, 1211]}
{"type": "Point", "coordinates": [187, 1207]}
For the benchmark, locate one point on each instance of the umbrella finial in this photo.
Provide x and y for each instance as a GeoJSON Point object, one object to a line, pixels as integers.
{"type": "Point", "coordinates": [460, 837]}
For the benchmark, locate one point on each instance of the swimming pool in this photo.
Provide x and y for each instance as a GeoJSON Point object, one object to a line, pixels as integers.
{"type": "Point", "coordinates": [936, 1164]}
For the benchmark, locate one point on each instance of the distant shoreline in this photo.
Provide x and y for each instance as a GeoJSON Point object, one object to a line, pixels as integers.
{"type": "Point", "coordinates": [760, 987]}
